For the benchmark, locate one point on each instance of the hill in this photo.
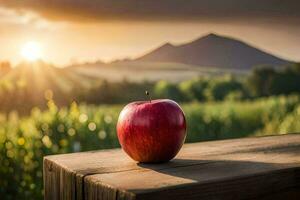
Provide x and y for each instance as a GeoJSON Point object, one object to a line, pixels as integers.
{"type": "Point", "coordinates": [214, 51]}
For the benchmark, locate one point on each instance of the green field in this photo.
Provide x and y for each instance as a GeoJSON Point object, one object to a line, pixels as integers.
{"type": "Point", "coordinates": [25, 140]}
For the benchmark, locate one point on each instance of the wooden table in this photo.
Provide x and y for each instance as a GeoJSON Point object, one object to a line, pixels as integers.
{"type": "Point", "coordinates": [251, 168]}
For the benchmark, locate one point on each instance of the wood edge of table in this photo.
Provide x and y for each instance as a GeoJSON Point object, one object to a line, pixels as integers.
{"type": "Point", "coordinates": [52, 157]}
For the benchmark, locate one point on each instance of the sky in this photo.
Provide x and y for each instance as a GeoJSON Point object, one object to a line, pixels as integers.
{"type": "Point", "coordinates": [71, 31]}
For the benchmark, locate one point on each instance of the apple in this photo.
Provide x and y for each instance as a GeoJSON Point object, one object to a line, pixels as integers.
{"type": "Point", "coordinates": [152, 131]}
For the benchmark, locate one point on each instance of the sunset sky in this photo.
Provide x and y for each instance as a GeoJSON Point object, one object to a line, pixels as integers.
{"type": "Point", "coordinates": [79, 30]}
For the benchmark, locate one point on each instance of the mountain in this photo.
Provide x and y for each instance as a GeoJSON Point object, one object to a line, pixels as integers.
{"type": "Point", "coordinates": [213, 51]}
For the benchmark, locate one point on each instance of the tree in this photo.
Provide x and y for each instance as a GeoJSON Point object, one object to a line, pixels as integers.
{"type": "Point", "coordinates": [260, 80]}
{"type": "Point", "coordinates": [165, 89]}
{"type": "Point", "coordinates": [286, 81]}
{"type": "Point", "coordinates": [194, 89]}
{"type": "Point", "coordinates": [218, 89]}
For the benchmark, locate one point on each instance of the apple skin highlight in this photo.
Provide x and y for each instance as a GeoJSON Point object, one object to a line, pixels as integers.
{"type": "Point", "coordinates": [152, 131]}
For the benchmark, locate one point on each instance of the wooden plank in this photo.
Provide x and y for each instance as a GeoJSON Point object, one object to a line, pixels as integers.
{"type": "Point", "coordinates": [249, 168]}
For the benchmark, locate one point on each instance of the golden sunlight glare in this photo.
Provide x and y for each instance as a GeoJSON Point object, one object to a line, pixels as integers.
{"type": "Point", "coordinates": [31, 51]}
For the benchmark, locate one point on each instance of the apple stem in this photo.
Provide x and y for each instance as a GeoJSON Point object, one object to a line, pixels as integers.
{"type": "Point", "coordinates": [148, 94]}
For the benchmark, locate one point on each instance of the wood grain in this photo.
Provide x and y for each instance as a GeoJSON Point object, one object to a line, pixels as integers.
{"type": "Point", "coordinates": [260, 168]}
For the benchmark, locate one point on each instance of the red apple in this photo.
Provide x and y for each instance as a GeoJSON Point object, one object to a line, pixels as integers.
{"type": "Point", "coordinates": [152, 131]}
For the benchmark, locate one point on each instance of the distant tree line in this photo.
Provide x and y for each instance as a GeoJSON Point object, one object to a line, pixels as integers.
{"type": "Point", "coordinates": [262, 81]}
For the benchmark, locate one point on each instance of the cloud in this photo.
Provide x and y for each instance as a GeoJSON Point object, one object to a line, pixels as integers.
{"type": "Point", "coordinates": [160, 10]}
{"type": "Point", "coordinates": [10, 17]}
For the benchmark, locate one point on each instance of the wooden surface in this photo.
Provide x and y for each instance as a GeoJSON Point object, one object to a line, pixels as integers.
{"type": "Point", "coordinates": [252, 168]}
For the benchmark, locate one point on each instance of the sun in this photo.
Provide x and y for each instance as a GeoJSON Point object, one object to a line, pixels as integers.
{"type": "Point", "coordinates": [31, 51]}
